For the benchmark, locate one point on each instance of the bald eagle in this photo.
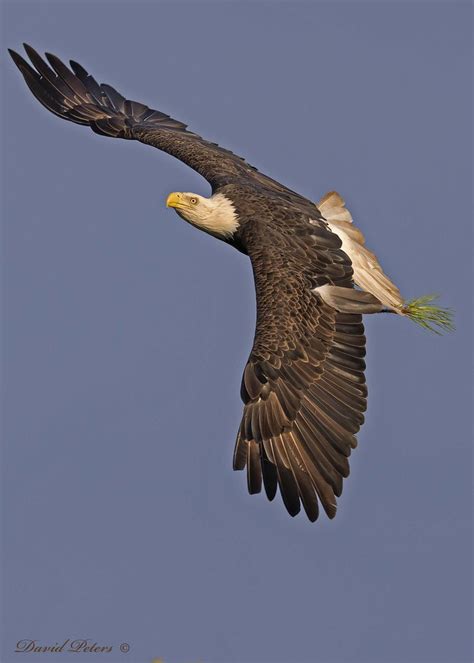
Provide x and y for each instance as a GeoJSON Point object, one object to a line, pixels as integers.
{"type": "Point", "coordinates": [303, 387]}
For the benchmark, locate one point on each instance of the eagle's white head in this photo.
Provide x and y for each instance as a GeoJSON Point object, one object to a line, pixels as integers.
{"type": "Point", "coordinates": [215, 215]}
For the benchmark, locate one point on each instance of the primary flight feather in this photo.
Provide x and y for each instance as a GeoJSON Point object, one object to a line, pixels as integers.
{"type": "Point", "coordinates": [303, 387]}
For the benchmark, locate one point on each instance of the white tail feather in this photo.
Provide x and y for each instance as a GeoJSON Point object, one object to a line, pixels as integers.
{"type": "Point", "coordinates": [368, 274]}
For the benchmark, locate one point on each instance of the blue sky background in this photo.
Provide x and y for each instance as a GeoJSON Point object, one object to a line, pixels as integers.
{"type": "Point", "coordinates": [126, 332]}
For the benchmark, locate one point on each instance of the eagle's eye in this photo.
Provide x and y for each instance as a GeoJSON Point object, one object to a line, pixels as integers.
{"type": "Point", "coordinates": [193, 201]}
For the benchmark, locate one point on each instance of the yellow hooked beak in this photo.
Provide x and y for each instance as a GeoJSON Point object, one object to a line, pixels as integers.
{"type": "Point", "coordinates": [173, 200]}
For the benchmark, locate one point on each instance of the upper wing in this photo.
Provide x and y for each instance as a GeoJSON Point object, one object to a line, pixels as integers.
{"type": "Point", "coordinates": [303, 386]}
{"type": "Point", "coordinates": [75, 96]}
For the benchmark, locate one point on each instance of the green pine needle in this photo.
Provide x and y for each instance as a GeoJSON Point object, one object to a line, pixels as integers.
{"type": "Point", "coordinates": [434, 318]}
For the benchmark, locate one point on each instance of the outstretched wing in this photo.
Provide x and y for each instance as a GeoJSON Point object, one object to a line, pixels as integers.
{"type": "Point", "coordinates": [74, 95]}
{"type": "Point", "coordinates": [303, 386]}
